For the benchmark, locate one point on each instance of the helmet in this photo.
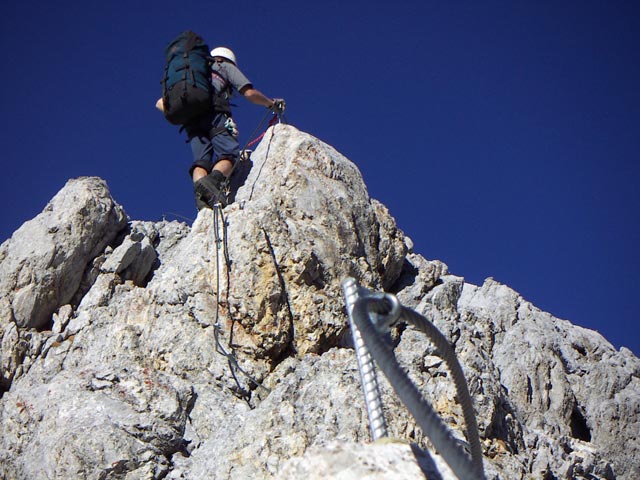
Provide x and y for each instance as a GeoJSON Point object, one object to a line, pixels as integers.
{"type": "Point", "coordinates": [224, 52]}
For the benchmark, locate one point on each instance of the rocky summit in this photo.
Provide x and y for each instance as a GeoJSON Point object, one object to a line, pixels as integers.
{"type": "Point", "coordinates": [157, 350]}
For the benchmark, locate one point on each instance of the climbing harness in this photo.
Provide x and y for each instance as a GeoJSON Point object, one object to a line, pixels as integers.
{"type": "Point", "coordinates": [371, 315]}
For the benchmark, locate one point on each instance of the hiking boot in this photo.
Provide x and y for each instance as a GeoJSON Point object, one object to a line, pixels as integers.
{"type": "Point", "coordinates": [209, 191]}
{"type": "Point", "coordinates": [200, 202]}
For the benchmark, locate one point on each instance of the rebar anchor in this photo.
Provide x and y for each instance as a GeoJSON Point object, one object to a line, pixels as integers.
{"type": "Point", "coordinates": [366, 365]}
{"type": "Point", "coordinates": [370, 316]}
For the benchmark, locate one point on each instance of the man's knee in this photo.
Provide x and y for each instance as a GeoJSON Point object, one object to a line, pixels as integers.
{"type": "Point", "coordinates": [224, 165]}
{"type": "Point", "coordinates": [204, 164]}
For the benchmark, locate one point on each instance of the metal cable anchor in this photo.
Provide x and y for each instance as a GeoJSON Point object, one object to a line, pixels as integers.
{"type": "Point", "coordinates": [366, 365]}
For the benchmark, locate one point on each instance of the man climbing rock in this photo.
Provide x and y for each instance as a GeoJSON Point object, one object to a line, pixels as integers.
{"type": "Point", "coordinates": [213, 135]}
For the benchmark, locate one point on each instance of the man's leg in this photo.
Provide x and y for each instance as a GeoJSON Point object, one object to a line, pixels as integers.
{"type": "Point", "coordinates": [205, 189]}
{"type": "Point", "coordinates": [226, 149]}
{"type": "Point", "coordinates": [197, 173]}
{"type": "Point", "coordinates": [223, 166]}
{"type": "Point", "coordinates": [209, 187]}
{"type": "Point", "coordinates": [209, 181]}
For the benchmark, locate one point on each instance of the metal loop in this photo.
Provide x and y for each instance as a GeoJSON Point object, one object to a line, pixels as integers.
{"type": "Point", "coordinates": [384, 321]}
{"type": "Point", "coordinates": [370, 315]}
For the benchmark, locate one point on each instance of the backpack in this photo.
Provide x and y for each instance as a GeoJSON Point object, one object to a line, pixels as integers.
{"type": "Point", "coordinates": [186, 86]}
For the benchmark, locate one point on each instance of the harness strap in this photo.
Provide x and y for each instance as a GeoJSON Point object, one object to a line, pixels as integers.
{"type": "Point", "coordinates": [217, 131]}
{"type": "Point", "coordinates": [221, 97]}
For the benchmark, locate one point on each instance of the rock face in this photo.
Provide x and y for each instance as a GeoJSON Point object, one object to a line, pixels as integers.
{"type": "Point", "coordinates": [41, 267]}
{"type": "Point", "coordinates": [144, 350]}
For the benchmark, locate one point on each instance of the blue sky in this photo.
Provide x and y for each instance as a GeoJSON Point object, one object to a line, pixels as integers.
{"type": "Point", "coordinates": [503, 136]}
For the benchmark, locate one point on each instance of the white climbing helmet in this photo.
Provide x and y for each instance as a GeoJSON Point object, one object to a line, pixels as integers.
{"type": "Point", "coordinates": [224, 52]}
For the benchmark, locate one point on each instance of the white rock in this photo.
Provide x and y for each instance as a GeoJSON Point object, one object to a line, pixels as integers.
{"type": "Point", "coordinates": [132, 381]}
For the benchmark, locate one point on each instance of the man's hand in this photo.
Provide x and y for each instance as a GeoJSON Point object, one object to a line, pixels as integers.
{"type": "Point", "coordinates": [278, 106]}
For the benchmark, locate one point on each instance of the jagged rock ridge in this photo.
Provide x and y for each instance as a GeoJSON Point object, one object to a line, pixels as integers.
{"type": "Point", "coordinates": [111, 363]}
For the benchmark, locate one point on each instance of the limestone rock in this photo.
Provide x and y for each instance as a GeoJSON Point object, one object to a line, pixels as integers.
{"type": "Point", "coordinates": [301, 223]}
{"type": "Point", "coordinates": [563, 381]}
{"type": "Point", "coordinates": [221, 350]}
{"type": "Point", "coordinates": [42, 263]}
{"type": "Point", "coordinates": [382, 461]}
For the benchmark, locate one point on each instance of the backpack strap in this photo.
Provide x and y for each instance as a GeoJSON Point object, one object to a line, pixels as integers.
{"type": "Point", "coordinates": [221, 98]}
{"type": "Point", "coordinates": [192, 40]}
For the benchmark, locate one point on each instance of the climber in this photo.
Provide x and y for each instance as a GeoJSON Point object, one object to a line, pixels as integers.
{"type": "Point", "coordinates": [215, 133]}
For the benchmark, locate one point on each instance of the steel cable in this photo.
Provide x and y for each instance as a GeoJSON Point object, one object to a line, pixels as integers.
{"type": "Point", "coordinates": [447, 353]}
{"type": "Point", "coordinates": [422, 411]}
{"type": "Point", "coordinates": [234, 366]}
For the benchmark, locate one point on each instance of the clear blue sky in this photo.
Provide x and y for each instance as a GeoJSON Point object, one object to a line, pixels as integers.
{"type": "Point", "coordinates": [503, 136]}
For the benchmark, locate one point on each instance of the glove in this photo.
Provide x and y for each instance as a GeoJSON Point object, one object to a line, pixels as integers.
{"type": "Point", "coordinates": [277, 106]}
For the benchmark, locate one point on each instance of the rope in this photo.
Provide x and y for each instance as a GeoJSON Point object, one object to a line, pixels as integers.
{"type": "Point", "coordinates": [218, 218]}
{"type": "Point", "coordinates": [373, 313]}
{"type": "Point", "coordinates": [264, 117]}
{"type": "Point", "coordinates": [272, 122]}
{"type": "Point", "coordinates": [234, 366]}
{"type": "Point", "coordinates": [250, 143]}
{"type": "Point", "coordinates": [177, 215]}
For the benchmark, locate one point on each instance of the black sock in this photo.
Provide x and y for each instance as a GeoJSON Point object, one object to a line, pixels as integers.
{"type": "Point", "coordinates": [217, 175]}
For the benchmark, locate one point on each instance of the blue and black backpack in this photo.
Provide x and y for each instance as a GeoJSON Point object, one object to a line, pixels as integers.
{"type": "Point", "coordinates": [186, 86]}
